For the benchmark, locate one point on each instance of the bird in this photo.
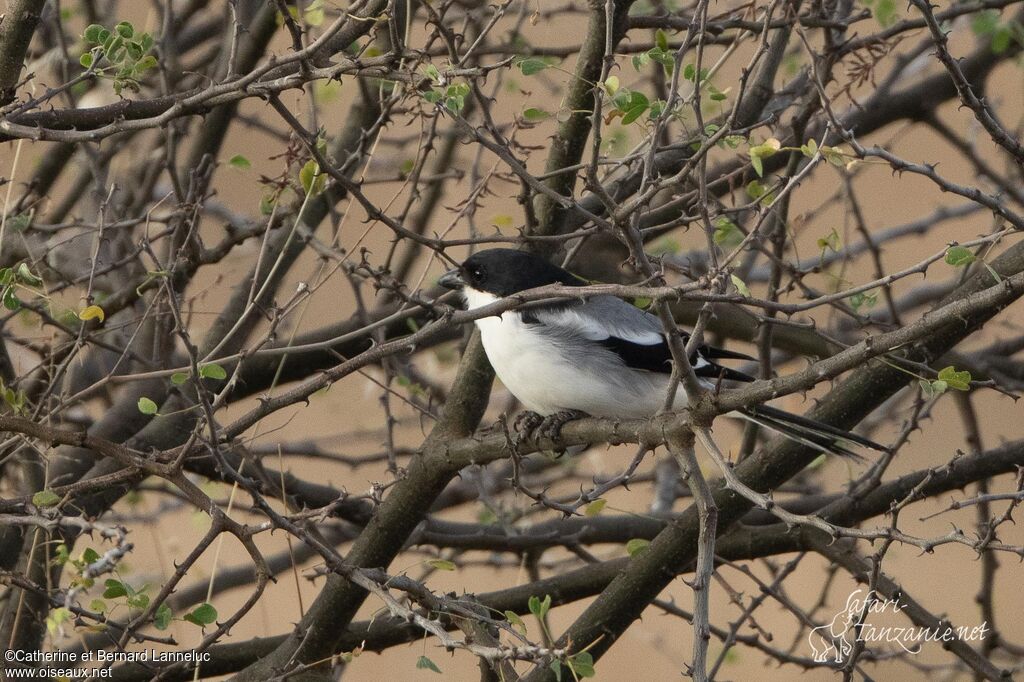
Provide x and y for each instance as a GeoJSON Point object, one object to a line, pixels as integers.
{"type": "Point", "coordinates": [599, 356]}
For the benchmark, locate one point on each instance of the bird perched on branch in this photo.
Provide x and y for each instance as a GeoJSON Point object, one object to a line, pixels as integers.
{"type": "Point", "coordinates": [599, 356]}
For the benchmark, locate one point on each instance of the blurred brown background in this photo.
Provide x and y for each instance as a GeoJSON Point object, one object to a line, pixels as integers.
{"type": "Point", "coordinates": [348, 417]}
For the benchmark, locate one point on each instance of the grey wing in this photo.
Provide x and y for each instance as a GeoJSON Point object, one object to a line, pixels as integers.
{"type": "Point", "coordinates": [601, 317]}
{"type": "Point", "coordinates": [635, 336]}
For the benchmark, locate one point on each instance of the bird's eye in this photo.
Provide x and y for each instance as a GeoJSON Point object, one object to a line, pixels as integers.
{"type": "Point", "coordinates": [477, 273]}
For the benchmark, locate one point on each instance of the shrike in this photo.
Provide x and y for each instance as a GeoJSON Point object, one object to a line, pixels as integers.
{"type": "Point", "coordinates": [598, 356]}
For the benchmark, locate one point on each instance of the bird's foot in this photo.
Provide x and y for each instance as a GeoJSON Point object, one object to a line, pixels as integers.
{"type": "Point", "coordinates": [524, 425]}
{"type": "Point", "coordinates": [551, 426]}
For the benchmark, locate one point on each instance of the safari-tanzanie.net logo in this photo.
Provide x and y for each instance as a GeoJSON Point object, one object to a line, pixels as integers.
{"type": "Point", "coordinates": [834, 641]}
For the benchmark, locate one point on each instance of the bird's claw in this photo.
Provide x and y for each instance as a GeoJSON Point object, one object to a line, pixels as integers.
{"type": "Point", "coordinates": [524, 426]}
{"type": "Point", "coordinates": [551, 427]}
{"type": "Point", "coordinates": [532, 425]}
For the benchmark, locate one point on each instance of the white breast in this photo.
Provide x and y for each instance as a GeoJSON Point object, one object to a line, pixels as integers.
{"type": "Point", "coordinates": [550, 374]}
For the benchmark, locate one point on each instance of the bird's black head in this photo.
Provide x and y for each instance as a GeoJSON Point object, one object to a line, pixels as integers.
{"type": "Point", "coordinates": [503, 272]}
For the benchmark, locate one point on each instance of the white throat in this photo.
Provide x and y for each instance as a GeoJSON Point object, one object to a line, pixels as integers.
{"type": "Point", "coordinates": [476, 298]}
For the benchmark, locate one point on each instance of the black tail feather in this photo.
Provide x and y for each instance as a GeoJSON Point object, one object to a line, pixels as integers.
{"type": "Point", "coordinates": [812, 433]}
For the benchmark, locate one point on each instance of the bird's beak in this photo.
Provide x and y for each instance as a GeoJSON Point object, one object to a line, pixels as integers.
{"type": "Point", "coordinates": [452, 280]}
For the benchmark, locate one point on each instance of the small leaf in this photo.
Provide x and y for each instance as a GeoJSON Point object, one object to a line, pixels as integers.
{"type": "Point", "coordinates": [162, 617]}
{"type": "Point", "coordinates": [959, 256]}
{"type": "Point", "coordinates": [535, 114]}
{"type": "Point", "coordinates": [204, 614]}
{"type": "Point", "coordinates": [424, 663]}
{"type": "Point", "coordinates": [740, 285]}
{"type": "Point", "coordinates": [56, 618]}
{"type": "Point", "coordinates": [147, 406]}
{"type": "Point", "coordinates": [86, 59]}
{"type": "Point", "coordinates": [92, 33]}
{"type": "Point", "coordinates": [515, 621]}
{"type": "Point", "coordinates": [636, 545]}
{"type": "Point", "coordinates": [213, 371]}
{"type": "Point", "coordinates": [442, 564]}
{"type": "Point", "coordinates": [596, 507]}
{"type": "Point", "coordinates": [611, 85]}
{"type": "Point", "coordinates": [98, 605]}
{"type": "Point", "coordinates": [661, 39]}
{"type": "Point", "coordinates": [26, 276]}
{"type": "Point", "coordinates": [125, 29]}
{"type": "Point", "coordinates": [556, 668]}
{"type": "Point", "coordinates": [933, 388]}
{"type": "Point", "coordinates": [45, 498]}
{"type": "Point", "coordinates": [178, 378]}
{"type": "Point", "coordinates": [11, 301]}
{"type": "Point", "coordinates": [92, 312]}
{"type": "Point", "coordinates": [532, 65]}
{"type": "Point", "coordinates": [758, 165]}
{"type": "Point", "coordinates": [308, 176]}
{"type": "Point", "coordinates": [583, 664]}
{"type": "Point", "coordinates": [240, 162]}
{"type": "Point", "coordinates": [960, 381]}
{"type": "Point", "coordinates": [539, 608]}
{"type": "Point", "coordinates": [114, 589]}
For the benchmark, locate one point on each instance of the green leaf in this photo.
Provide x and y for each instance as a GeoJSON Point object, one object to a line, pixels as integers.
{"type": "Point", "coordinates": [442, 564]}
{"type": "Point", "coordinates": [583, 664]}
{"type": "Point", "coordinates": [114, 589]}
{"type": "Point", "coordinates": [758, 165]}
{"type": "Point", "coordinates": [959, 256]}
{"type": "Point", "coordinates": [204, 614]}
{"type": "Point", "coordinates": [866, 299]}
{"type": "Point", "coordinates": [26, 276]}
{"type": "Point", "coordinates": [179, 378]}
{"type": "Point", "coordinates": [90, 555]}
{"type": "Point", "coordinates": [86, 59]}
{"type": "Point", "coordinates": [92, 33]}
{"type": "Point", "coordinates": [932, 389]}
{"type": "Point", "coordinates": [56, 618]}
{"type": "Point", "coordinates": [540, 608]}
{"type": "Point", "coordinates": [960, 381]}
{"type": "Point", "coordinates": [311, 178]}
{"type": "Point", "coordinates": [727, 233]}
{"type": "Point", "coordinates": [885, 12]}
{"type": "Point", "coordinates": [11, 301]}
{"type": "Point", "coordinates": [125, 29]}
{"type": "Point", "coordinates": [98, 605]}
{"type": "Point", "coordinates": [240, 162]}
{"type": "Point", "coordinates": [432, 73]}
{"type": "Point", "coordinates": [532, 65]}
{"type": "Point", "coordinates": [829, 241]}
{"type": "Point", "coordinates": [213, 371]}
{"type": "Point", "coordinates": [640, 60]}
{"type": "Point", "coordinates": [740, 285]}
{"type": "Point", "coordinates": [661, 39]}
{"type": "Point", "coordinates": [985, 23]}
{"type": "Point", "coordinates": [162, 617]}
{"type": "Point", "coordinates": [315, 16]}
{"type": "Point", "coordinates": [147, 406]}
{"type": "Point", "coordinates": [596, 507]}
{"type": "Point", "coordinates": [635, 107]}
{"type": "Point", "coordinates": [146, 63]}
{"type": "Point", "coordinates": [636, 545]}
{"type": "Point", "coordinates": [424, 663]}
{"type": "Point", "coordinates": [515, 621]}
{"type": "Point", "coordinates": [45, 498]}
{"type": "Point", "coordinates": [611, 85]}
{"type": "Point", "coordinates": [556, 668]}
{"type": "Point", "coordinates": [533, 114]}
